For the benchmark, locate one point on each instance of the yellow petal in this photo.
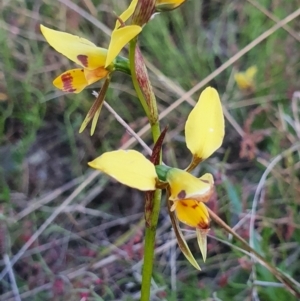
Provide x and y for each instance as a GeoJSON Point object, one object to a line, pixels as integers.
{"type": "Point", "coordinates": [129, 167]}
{"type": "Point", "coordinates": [119, 38]}
{"type": "Point", "coordinates": [192, 213]}
{"type": "Point", "coordinates": [204, 128]}
{"type": "Point", "coordinates": [127, 13]}
{"type": "Point", "coordinates": [94, 75]}
{"type": "Point", "coordinates": [72, 81]}
{"type": "Point", "coordinates": [202, 241]}
{"type": "Point", "coordinates": [79, 50]}
{"type": "Point", "coordinates": [166, 5]}
{"type": "Point", "coordinates": [183, 185]}
{"type": "Point", "coordinates": [181, 240]}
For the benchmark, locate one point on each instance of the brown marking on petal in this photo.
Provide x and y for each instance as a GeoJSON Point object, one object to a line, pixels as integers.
{"type": "Point", "coordinates": [67, 80]}
{"type": "Point", "coordinates": [194, 206]}
{"type": "Point", "coordinates": [83, 59]}
{"type": "Point", "coordinates": [184, 204]}
{"type": "Point", "coordinates": [202, 225]}
{"type": "Point", "coordinates": [181, 194]}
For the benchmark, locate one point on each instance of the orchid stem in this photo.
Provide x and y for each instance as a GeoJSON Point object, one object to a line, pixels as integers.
{"type": "Point", "coordinates": [153, 212]}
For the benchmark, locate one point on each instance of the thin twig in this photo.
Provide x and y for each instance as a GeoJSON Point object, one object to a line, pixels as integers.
{"type": "Point", "coordinates": [126, 126]}
{"type": "Point", "coordinates": [293, 33]}
{"type": "Point", "coordinates": [12, 278]}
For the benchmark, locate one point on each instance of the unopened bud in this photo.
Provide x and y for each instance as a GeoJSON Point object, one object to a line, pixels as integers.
{"type": "Point", "coordinates": [166, 5]}
{"type": "Point", "coordinates": [143, 12]}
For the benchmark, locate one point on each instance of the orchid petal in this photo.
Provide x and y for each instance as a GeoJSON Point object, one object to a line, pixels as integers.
{"type": "Point", "coordinates": [72, 81]}
{"type": "Point", "coordinates": [192, 213]}
{"type": "Point", "coordinates": [94, 75]}
{"type": "Point", "coordinates": [127, 13]}
{"type": "Point", "coordinates": [181, 240]}
{"type": "Point", "coordinates": [129, 167]}
{"type": "Point", "coordinates": [119, 38]}
{"type": "Point", "coordinates": [184, 185]}
{"type": "Point", "coordinates": [204, 128]}
{"type": "Point", "coordinates": [79, 50]}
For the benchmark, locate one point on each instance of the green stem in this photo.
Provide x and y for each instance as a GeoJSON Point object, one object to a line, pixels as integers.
{"type": "Point", "coordinates": [155, 130]}
{"type": "Point", "coordinates": [149, 246]}
{"type": "Point", "coordinates": [153, 211]}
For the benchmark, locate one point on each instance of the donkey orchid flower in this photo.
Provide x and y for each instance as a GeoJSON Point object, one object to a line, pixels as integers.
{"type": "Point", "coordinates": [82, 52]}
{"type": "Point", "coordinates": [92, 60]}
{"type": "Point", "coordinates": [188, 194]}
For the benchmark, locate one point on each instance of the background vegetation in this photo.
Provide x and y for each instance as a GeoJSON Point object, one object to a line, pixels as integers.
{"type": "Point", "coordinates": [73, 234]}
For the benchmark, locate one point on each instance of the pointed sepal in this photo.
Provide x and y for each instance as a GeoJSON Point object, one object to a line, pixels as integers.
{"type": "Point", "coordinates": [202, 241]}
{"type": "Point", "coordinates": [181, 240]}
{"type": "Point", "coordinates": [94, 111]}
{"type": "Point", "coordinates": [155, 157]}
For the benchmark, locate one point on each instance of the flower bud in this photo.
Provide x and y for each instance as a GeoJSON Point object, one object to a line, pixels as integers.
{"type": "Point", "coordinates": [166, 5]}
{"type": "Point", "coordinates": [145, 85]}
{"type": "Point", "coordinates": [143, 12]}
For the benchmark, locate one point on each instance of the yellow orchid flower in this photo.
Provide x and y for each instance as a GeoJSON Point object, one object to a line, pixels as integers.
{"type": "Point", "coordinates": [84, 53]}
{"type": "Point", "coordinates": [122, 34]}
{"type": "Point", "coordinates": [92, 60]}
{"type": "Point", "coordinates": [187, 194]}
{"type": "Point", "coordinates": [245, 80]}
{"type": "Point", "coordinates": [166, 5]}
